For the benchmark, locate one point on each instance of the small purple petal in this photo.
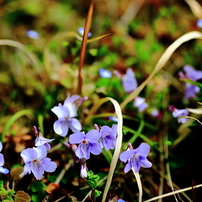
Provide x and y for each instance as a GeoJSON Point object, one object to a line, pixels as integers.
{"type": "Point", "coordinates": [128, 81]}
{"type": "Point", "coordinates": [29, 155]}
{"type": "Point", "coordinates": [81, 31]}
{"type": "Point", "coordinates": [83, 151]}
{"type": "Point", "coordinates": [61, 127]}
{"type": "Point", "coordinates": [115, 119]}
{"type": "Point", "coordinates": [192, 74]}
{"type": "Point", "coordinates": [41, 151]}
{"type": "Point", "coordinates": [143, 149]}
{"type": "Point", "coordinates": [95, 148]}
{"type": "Point", "coordinates": [32, 34]}
{"type": "Point", "coordinates": [1, 159]}
{"type": "Point", "coordinates": [120, 200]}
{"type": "Point", "coordinates": [74, 125]}
{"type": "Point", "coordinates": [145, 163]}
{"type": "Point", "coordinates": [61, 111]}
{"type": "Point", "coordinates": [48, 165]}
{"type": "Point", "coordinates": [1, 146]}
{"type": "Point", "coordinates": [77, 138]}
{"type": "Point", "coordinates": [93, 135]}
{"type": "Point", "coordinates": [127, 155]}
{"type": "Point", "coordinates": [199, 23]}
{"type": "Point", "coordinates": [191, 90]}
{"type": "Point", "coordinates": [4, 170]}
{"type": "Point", "coordinates": [37, 169]}
{"type": "Point", "coordinates": [127, 167]}
{"type": "Point", "coordinates": [105, 73]}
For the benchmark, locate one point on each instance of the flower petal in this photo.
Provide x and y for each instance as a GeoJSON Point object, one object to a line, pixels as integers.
{"type": "Point", "coordinates": [93, 135]}
{"type": "Point", "coordinates": [95, 148]}
{"type": "Point", "coordinates": [61, 127]}
{"type": "Point", "coordinates": [4, 170]}
{"type": "Point", "coordinates": [143, 149]}
{"type": "Point", "coordinates": [1, 146]}
{"type": "Point", "coordinates": [41, 151]}
{"type": "Point", "coordinates": [37, 169]}
{"type": "Point", "coordinates": [105, 129]}
{"type": "Point", "coordinates": [61, 111]}
{"type": "Point", "coordinates": [145, 163]}
{"type": "Point", "coordinates": [28, 155]}
{"type": "Point", "coordinates": [48, 165]}
{"type": "Point", "coordinates": [83, 151]}
{"type": "Point", "coordinates": [126, 155]}
{"type": "Point", "coordinates": [128, 81]}
{"type": "Point", "coordinates": [1, 159]}
{"type": "Point", "coordinates": [77, 138]}
{"type": "Point", "coordinates": [127, 167]}
{"type": "Point", "coordinates": [74, 125]}
{"type": "Point", "coordinates": [192, 74]}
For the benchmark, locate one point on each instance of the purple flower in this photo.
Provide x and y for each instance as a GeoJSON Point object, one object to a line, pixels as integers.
{"type": "Point", "coordinates": [105, 73]}
{"type": "Point", "coordinates": [140, 103]}
{"type": "Point", "coordinates": [2, 169]}
{"type": "Point", "coordinates": [36, 161]}
{"type": "Point", "coordinates": [179, 113]}
{"type": "Point", "coordinates": [193, 75]}
{"type": "Point", "coordinates": [32, 34]}
{"type": "Point", "coordinates": [81, 32]}
{"type": "Point", "coordinates": [128, 81]}
{"type": "Point", "coordinates": [115, 119]}
{"type": "Point", "coordinates": [199, 23]}
{"type": "Point", "coordinates": [64, 122]}
{"type": "Point", "coordinates": [66, 114]}
{"type": "Point", "coordinates": [136, 158]}
{"type": "Point", "coordinates": [87, 143]}
{"type": "Point", "coordinates": [108, 137]}
{"type": "Point", "coordinates": [72, 103]}
{"type": "Point", "coordinates": [83, 172]}
{"type": "Point", "coordinates": [40, 140]}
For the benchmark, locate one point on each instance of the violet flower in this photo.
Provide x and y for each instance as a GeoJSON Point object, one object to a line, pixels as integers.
{"type": "Point", "coordinates": [87, 143]}
{"type": "Point", "coordinates": [199, 23]}
{"type": "Point", "coordinates": [81, 32]}
{"type": "Point", "coordinates": [108, 137]}
{"type": "Point", "coordinates": [128, 81]}
{"type": "Point", "coordinates": [32, 34]}
{"type": "Point", "coordinates": [72, 103]}
{"type": "Point", "coordinates": [136, 158]}
{"type": "Point", "coordinates": [2, 169]}
{"type": "Point", "coordinates": [66, 114]}
{"type": "Point", "coordinates": [105, 73]}
{"type": "Point", "coordinates": [140, 103]}
{"type": "Point", "coordinates": [193, 75]}
{"type": "Point", "coordinates": [40, 140]}
{"type": "Point", "coordinates": [84, 172]}
{"type": "Point", "coordinates": [179, 113]}
{"type": "Point", "coordinates": [65, 122]}
{"type": "Point", "coordinates": [36, 161]}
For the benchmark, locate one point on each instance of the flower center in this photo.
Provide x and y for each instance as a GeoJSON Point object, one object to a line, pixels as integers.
{"type": "Point", "coordinates": [84, 141]}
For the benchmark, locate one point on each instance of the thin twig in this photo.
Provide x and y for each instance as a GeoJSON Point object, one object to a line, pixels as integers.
{"type": "Point", "coordinates": [174, 192]}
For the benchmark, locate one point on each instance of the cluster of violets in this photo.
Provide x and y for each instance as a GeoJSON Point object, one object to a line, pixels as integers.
{"type": "Point", "coordinates": [36, 160]}
{"type": "Point", "coordinates": [94, 140]}
{"type": "Point", "coordinates": [129, 84]}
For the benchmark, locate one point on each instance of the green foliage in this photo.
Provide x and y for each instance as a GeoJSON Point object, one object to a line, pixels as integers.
{"type": "Point", "coordinates": [9, 195]}
{"type": "Point", "coordinates": [92, 179]}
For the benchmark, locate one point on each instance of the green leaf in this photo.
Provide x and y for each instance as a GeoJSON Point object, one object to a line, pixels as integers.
{"type": "Point", "coordinates": [38, 186]}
